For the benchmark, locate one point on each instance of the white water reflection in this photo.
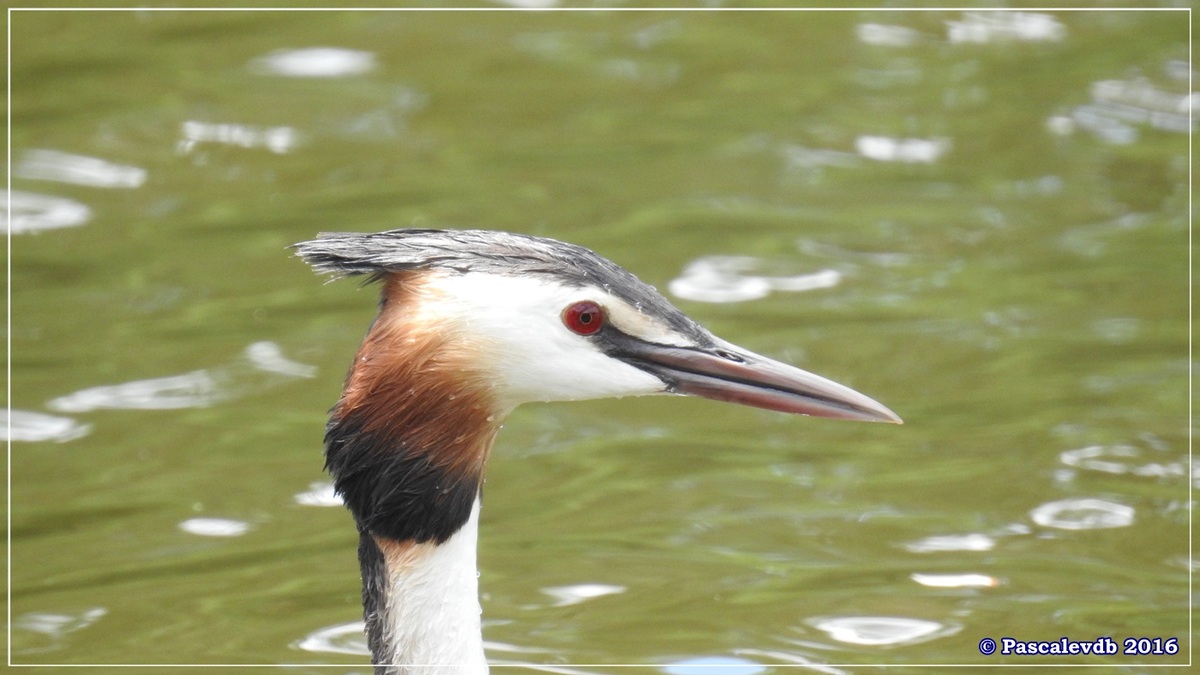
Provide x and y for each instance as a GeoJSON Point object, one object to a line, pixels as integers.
{"type": "Point", "coordinates": [343, 638]}
{"type": "Point", "coordinates": [721, 278]}
{"type": "Point", "coordinates": [902, 150]}
{"type": "Point", "coordinates": [885, 35]}
{"type": "Point", "coordinates": [268, 356]}
{"type": "Point", "coordinates": [529, 4]}
{"type": "Point", "coordinates": [1082, 514]}
{"type": "Point", "coordinates": [215, 527]}
{"type": "Point", "coordinates": [65, 167]}
{"type": "Point", "coordinates": [1139, 102]}
{"type": "Point", "coordinates": [575, 594]}
{"type": "Point", "coordinates": [197, 389]}
{"type": "Point", "coordinates": [1118, 107]}
{"type": "Point", "coordinates": [710, 665]}
{"type": "Point", "coordinates": [1119, 459]}
{"type": "Point", "coordinates": [31, 212]}
{"type": "Point", "coordinates": [56, 626]}
{"type": "Point", "coordinates": [955, 580]}
{"type": "Point", "coordinates": [276, 139]}
{"type": "Point", "coordinates": [318, 62]}
{"type": "Point", "coordinates": [877, 631]}
{"type": "Point", "coordinates": [952, 542]}
{"type": "Point", "coordinates": [25, 425]}
{"type": "Point", "coordinates": [791, 657]}
{"type": "Point", "coordinates": [1005, 26]}
{"type": "Point", "coordinates": [319, 494]}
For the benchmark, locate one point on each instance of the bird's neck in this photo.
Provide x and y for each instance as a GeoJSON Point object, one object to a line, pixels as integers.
{"type": "Point", "coordinates": [407, 444]}
{"type": "Point", "coordinates": [422, 604]}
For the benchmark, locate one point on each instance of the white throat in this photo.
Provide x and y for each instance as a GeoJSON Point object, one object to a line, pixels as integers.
{"type": "Point", "coordinates": [432, 612]}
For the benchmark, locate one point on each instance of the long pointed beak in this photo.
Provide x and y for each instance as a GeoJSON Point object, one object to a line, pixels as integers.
{"type": "Point", "coordinates": [729, 373]}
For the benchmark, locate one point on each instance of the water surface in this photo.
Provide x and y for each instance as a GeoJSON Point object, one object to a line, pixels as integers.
{"type": "Point", "coordinates": [979, 219]}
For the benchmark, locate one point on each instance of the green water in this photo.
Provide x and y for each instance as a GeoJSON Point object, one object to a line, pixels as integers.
{"type": "Point", "coordinates": [1007, 215]}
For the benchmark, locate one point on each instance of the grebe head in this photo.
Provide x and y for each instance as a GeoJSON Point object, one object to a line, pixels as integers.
{"type": "Point", "coordinates": [521, 318]}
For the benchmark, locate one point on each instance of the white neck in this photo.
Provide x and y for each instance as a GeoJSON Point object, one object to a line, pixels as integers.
{"type": "Point", "coordinates": [432, 613]}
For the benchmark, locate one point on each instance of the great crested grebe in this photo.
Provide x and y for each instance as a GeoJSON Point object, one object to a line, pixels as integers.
{"type": "Point", "coordinates": [471, 324]}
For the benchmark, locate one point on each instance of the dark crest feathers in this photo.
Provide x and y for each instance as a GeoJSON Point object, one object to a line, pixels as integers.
{"type": "Point", "coordinates": [462, 251]}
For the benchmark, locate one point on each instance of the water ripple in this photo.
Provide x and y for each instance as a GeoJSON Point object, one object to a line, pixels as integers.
{"type": "Point", "coordinates": [318, 62]}
{"type": "Point", "coordinates": [279, 140]}
{"type": "Point", "coordinates": [268, 356]}
{"type": "Point", "coordinates": [342, 638]}
{"type": "Point", "coordinates": [30, 212]}
{"type": "Point", "coordinates": [878, 631]}
{"type": "Point", "coordinates": [1118, 459]}
{"type": "Point", "coordinates": [56, 626]}
{"type": "Point", "coordinates": [886, 35]}
{"type": "Point", "coordinates": [319, 494]}
{"type": "Point", "coordinates": [1118, 107]}
{"type": "Point", "coordinates": [984, 27]}
{"type": "Point", "coordinates": [1082, 514]}
{"type": "Point", "coordinates": [215, 527]}
{"type": "Point", "coordinates": [577, 593]}
{"type": "Point", "coordinates": [25, 425]}
{"type": "Point", "coordinates": [902, 150]}
{"type": "Point", "coordinates": [955, 580]}
{"type": "Point", "coordinates": [722, 279]}
{"type": "Point", "coordinates": [952, 542]}
{"type": "Point", "coordinates": [709, 665]}
{"type": "Point", "coordinates": [196, 389]}
{"type": "Point", "coordinates": [64, 167]}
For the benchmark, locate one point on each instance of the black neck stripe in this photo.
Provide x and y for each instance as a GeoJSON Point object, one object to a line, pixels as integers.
{"type": "Point", "coordinates": [393, 490]}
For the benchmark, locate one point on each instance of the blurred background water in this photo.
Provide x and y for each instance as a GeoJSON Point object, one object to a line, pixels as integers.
{"type": "Point", "coordinates": [981, 219]}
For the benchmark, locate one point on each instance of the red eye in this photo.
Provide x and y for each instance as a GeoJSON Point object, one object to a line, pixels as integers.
{"type": "Point", "coordinates": [584, 317]}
